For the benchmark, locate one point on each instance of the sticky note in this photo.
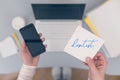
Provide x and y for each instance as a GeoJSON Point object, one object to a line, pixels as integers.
{"type": "Point", "coordinates": [83, 44]}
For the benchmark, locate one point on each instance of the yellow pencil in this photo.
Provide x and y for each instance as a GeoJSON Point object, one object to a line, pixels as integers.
{"type": "Point", "coordinates": [16, 39]}
{"type": "Point", "coordinates": [90, 25]}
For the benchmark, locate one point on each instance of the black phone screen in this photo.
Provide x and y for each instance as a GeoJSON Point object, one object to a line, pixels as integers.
{"type": "Point", "coordinates": [32, 40]}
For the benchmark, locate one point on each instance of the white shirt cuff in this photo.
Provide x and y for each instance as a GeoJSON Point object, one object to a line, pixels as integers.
{"type": "Point", "coordinates": [26, 72]}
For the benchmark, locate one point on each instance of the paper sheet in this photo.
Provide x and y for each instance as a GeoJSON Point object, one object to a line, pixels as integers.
{"type": "Point", "coordinates": [8, 47]}
{"type": "Point", "coordinates": [83, 44]}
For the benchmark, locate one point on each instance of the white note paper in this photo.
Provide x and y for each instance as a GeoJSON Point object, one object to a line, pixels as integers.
{"type": "Point", "coordinates": [8, 47]}
{"type": "Point", "coordinates": [83, 44]}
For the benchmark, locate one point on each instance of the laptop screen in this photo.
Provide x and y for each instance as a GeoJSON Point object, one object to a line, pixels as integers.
{"type": "Point", "coordinates": [58, 11]}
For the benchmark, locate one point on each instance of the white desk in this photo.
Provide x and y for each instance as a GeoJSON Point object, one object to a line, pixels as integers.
{"type": "Point", "coordinates": [10, 9]}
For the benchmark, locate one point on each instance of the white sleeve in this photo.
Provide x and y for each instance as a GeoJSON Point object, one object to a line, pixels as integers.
{"type": "Point", "coordinates": [26, 72]}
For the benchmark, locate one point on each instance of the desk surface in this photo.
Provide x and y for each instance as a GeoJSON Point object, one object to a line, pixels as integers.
{"type": "Point", "coordinates": [11, 9]}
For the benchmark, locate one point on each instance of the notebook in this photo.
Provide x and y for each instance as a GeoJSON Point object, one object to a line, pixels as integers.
{"type": "Point", "coordinates": [106, 20]}
{"type": "Point", "coordinates": [83, 44]}
{"type": "Point", "coordinates": [8, 47]}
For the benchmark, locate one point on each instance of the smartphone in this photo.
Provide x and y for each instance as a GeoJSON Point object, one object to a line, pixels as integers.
{"type": "Point", "coordinates": [32, 40]}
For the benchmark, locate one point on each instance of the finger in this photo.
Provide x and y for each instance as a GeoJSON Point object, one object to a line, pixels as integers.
{"type": "Point", "coordinates": [43, 39]}
{"type": "Point", "coordinates": [99, 56]}
{"type": "Point", "coordinates": [102, 57]}
{"type": "Point", "coordinates": [40, 34]}
{"type": "Point", "coordinates": [91, 64]}
{"type": "Point", "coordinates": [23, 48]}
{"type": "Point", "coordinates": [95, 58]}
{"type": "Point", "coordinates": [45, 45]}
{"type": "Point", "coordinates": [85, 63]}
{"type": "Point", "coordinates": [101, 61]}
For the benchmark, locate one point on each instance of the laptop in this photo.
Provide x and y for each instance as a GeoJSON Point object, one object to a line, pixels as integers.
{"type": "Point", "coordinates": [57, 22]}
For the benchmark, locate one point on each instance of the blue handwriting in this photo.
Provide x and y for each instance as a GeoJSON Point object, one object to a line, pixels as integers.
{"type": "Point", "coordinates": [88, 43]}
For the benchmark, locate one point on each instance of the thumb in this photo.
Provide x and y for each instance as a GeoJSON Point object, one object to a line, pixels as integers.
{"type": "Point", "coordinates": [91, 64]}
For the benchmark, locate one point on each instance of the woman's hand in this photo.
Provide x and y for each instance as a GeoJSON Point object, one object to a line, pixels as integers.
{"type": "Point", "coordinates": [26, 56]}
{"type": "Point", "coordinates": [97, 67]}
